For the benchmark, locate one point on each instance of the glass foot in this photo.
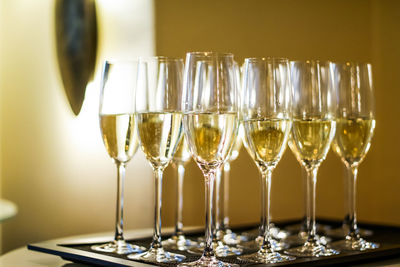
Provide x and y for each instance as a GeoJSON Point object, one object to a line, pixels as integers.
{"type": "Point", "coordinates": [208, 262]}
{"type": "Point", "coordinates": [276, 245]}
{"type": "Point", "coordinates": [220, 250]}
{"type": "Point", "coordinates": [266, 257]}
{"type": "Point", "coordinates": [301, 238]}
{"type": "Point", "coordinates": [157, 255]}
{"type": "Point", "coordinates": [312, 250]}
{"type": "Point", "coordinates": [276, 233]}
{"type": "Point", "coordinates": [231, 238]}
{"type": "Point", "coordinates": [354, 244]}
{"type": "Point", "coordinates": [295, 228]}
{"type": "Point", "coordinates": [343, 231]}
{"type": "Point", "coordinates": [179, 242]}
{"type": "Point", "coordinates": [118, 247]}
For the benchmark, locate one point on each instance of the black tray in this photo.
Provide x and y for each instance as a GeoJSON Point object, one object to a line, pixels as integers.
{"type": "Point", "coordinates": [387, 236]}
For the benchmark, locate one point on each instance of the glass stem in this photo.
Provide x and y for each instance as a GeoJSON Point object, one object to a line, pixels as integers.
{"type": "Point", "coordinates": [311, 185]}
{"type": "Point", "coordinates": [217, 204]}
{"type": "Point", "coordinates": [158, 174]}
{"type": "Point", "coordinates": [179, 200]}
{"type": "Point", "coordinates": [352, 182]}
{"type": "Point", "coordinates": [262, 213]}
{"type": "Point", "coordinates": [209, 192]}
{"type": "Point", "coordinates": [266, 180]}
{"type": "Point", "coordinates": [346, 220]}
{"type": "Point", "coordinates": [225, 212]}
{"type": "Point", "coordinates": [119, 224]}
{"type": "Point", "coordinates": [305, 224]}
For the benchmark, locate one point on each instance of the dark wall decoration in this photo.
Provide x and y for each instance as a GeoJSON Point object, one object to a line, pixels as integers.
{"type": "Point", "coordinates": [76, 40]}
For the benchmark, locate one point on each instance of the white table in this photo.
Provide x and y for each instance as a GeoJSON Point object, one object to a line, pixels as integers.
{"type": "Point", "coordinates": [22, 257]}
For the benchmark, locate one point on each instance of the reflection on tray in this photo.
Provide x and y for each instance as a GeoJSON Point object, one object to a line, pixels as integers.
{"type": "Point", "coordinates": [388, 237]}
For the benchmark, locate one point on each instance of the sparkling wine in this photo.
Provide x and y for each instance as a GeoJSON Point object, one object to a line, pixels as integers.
{"type": "Point", "coordinates": [237, 145]}
{"type": "Point", "coordinates": [353, 138]}
{"type": "Point", "coordinates": [312, 139]}
{"type": "Point", "coordinates": [267, 139]}
{"type": "Point", "coordinates": [120, 136]}
{"type": "Point", "coordinates": [211, 136]}
{"type": "Point", "coordinates": [159, 134]}
{"type": "Point", "coordinates": [182, 154]}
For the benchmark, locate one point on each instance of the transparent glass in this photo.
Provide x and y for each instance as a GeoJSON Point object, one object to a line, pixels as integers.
{"type": "Point", "coordinates": [159, 119]}
{"type": "Point", "coordinates": [300, 229]}
{"type": "Point", "coordinates": [120, 137]}
{"type": "Point", "coordinates": [178, 241]}
{"type": "Point", "coordinates": [355, 124]}
{"type": "Point", "coordinates": [314, 110]}
{"type": "Point", "coordinates": [224, 238]}
{"type": "Point", "coordinates": [211, 119]}
{"type": "Point", "coordinates": [224, 232]}
{"type": "Point", "coordinates": [267, 119]}
{"type": "Point", "coordinates": [221, 247]}
{"type": "Point", "coordinates": [253, 239]}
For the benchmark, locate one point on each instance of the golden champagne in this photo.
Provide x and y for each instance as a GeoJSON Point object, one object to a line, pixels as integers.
{"type": "Point", "coordinates": [237, 145]}
{"type": "Point", "coordinates": [120, 136]}
{"type": "Point", "coordinates": [159, 134]}
{"type": "Point", "coordinates": [292, 147]}
{"type": "Point", "coordinates": [311, 139]}
{"type": "Point", "coordinates": [182, 154]}
{"type": "Point", "coordinates": [267, 139]}
{"type": "Point", "coordinates": [353, 138]}
{"type": "Point", "coordinates": [211, 136]}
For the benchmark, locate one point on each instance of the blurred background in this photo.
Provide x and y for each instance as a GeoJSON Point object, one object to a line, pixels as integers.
{"type": "Point", "coordinates": [54, 167]}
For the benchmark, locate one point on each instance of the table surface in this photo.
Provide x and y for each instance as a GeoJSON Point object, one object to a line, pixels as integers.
{"type": "Point", "coordinates": [22, 257]}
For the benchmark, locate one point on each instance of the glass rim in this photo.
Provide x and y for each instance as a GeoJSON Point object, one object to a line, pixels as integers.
{"type": "Point", "coordinates": [210, 53]}
{"type": "Point", "coordinates": [159, 58]}
{"type": "Point", "coordinates": [319, 61]}
{"type": "Point", "coordinates": [352, 63]}
{"type": "Point", "coordinates": [279, 59]}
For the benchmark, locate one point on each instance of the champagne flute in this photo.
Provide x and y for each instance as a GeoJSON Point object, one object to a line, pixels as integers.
{"type": "Point", "coordinates": [120, 137]}
{"type": "Point", "coordinates": [159, 119]}
{"type": "Point", "coordinates": [355, 124]}
{"type": "Point", "coordinates": [301, 236]}
{"type": "Point", "coordinates": [266, 113]}
{"type": "Point", "coordinates": [178, 241]}
{"type": "Point", "coordinates": [211, 120]}
{"type": "Point", "coordinates": [313, 129]}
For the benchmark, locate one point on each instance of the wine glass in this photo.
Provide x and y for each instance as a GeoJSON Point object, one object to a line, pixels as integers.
{"type": "Point", "coordinates": [178, 241]}
{"type": "Point", "coordinates": [211, 119]}
{"type": "Point", "coordinates": [355, 124]}
{"type": "Point", "coordinates": [120, 137]}
{"type": "Point", "coordinates": [302, 235]}
{"type": "Point", "coordinates": [159, 119]}
{"type": "Point", "coordinates": [313, 129]}
{"type": "Point", "coordinates": [266, 114]}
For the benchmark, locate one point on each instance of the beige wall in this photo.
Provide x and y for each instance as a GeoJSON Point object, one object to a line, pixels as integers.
{"type": "Point", "coordinates": [335, 30]}
{"type": "Point", "coordinates": [55, 168]}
